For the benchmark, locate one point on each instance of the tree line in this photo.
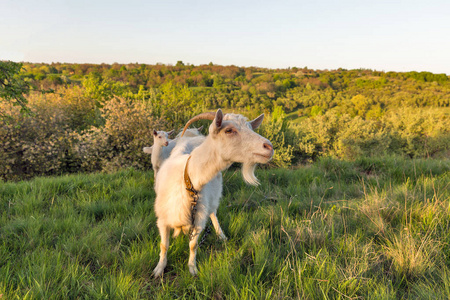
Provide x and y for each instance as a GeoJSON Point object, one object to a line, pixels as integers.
{"type": "Point", "coordinates": [88, 117]}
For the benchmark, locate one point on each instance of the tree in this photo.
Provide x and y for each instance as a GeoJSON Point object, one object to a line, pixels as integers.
{"type": "Point", "coordinates": [12, 86]}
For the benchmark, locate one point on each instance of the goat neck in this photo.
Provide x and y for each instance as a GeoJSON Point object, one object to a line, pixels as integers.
{"type": "Point", "coordinates": [205, 164]}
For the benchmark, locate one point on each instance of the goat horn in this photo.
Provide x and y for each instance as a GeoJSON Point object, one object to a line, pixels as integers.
{"type": "Point", "coordinates": [204, 116]}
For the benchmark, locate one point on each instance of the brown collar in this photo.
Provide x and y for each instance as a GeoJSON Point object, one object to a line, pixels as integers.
{"type": "Point", "coordinates": [194, 198]}
{"type": "Point", "coordinates": [189, 186]}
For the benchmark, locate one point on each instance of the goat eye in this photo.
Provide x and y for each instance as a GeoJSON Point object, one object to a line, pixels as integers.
{"type": "Point", "coordinates": [229, 131]}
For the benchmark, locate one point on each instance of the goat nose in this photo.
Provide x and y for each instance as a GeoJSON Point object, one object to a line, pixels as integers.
{"type": "Point", "coordinates": [268, 146]}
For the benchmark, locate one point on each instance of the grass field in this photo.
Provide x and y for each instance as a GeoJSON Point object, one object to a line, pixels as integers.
{"type": "Point", "coordinates": [368, 229]}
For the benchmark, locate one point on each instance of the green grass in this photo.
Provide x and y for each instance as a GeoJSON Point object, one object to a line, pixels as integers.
{"type": "Point", "coordinates": [369, 229]}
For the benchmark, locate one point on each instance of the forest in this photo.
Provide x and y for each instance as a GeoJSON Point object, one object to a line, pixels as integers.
{"type": "Point", "coordinates": [98, 117]}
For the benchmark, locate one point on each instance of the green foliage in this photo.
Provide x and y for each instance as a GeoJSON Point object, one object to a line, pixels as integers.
{"type": "Point", "coordinates": [128, 128]}
{"type": "Point", "coordinates": [176, 104]}
{"type": "Point", "coordinates": [42, 142]}
{"type": "Point", "coordinates": [315, 111]}
{"type": "Point", "coordinates": [416, 133]}
{"type": "Point", "coordinates": [100, 89]}
{"type": "Point", "coordinates": [12, 86]}
{"type": "Point", "coordinates": [368, 229]}
{"type": "Point", "coordinates": [341, 113]}
{"type": "Point", "coordinates": [420, 133]}
{"type": "Point", "coordinates": [361, 105]}
{"type": "Point", "coordinates": [275, 130]}
{"type": "Point", "coordinates": [66, 133]}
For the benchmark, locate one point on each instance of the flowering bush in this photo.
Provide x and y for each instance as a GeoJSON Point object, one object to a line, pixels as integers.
{"type": "Point", "coordinates": [62, 134]}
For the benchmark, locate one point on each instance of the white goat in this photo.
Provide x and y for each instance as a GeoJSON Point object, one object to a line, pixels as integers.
{"type": "Point", "coordinates": [191, 132]}
{"type": "Point", "coordinates": [162, 145]}
{"type": "Point", "coordinates": [160, 140]}
{"type": "Point", "coordinates": [231, 139]}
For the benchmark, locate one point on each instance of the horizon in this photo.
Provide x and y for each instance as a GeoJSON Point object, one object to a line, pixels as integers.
{"type": "Point", "coordinates": [404, 36]}
{"type": "Point", "coordinates": [214, 64]}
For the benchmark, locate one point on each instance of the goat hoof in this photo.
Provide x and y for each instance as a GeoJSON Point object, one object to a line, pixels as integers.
{"type": "Point", "coordinates": [193, 270]}
{"type": "Point", "coordinates": [158, 271]}
{"type": "Point", "coordinates": [223, 237]}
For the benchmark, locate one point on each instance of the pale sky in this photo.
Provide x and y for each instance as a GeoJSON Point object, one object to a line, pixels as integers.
{"type": "Point", "coordinates": [319, 34]}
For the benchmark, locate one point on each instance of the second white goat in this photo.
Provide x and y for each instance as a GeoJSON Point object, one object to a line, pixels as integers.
{"type": "Point", "coordinates": [162, 145]}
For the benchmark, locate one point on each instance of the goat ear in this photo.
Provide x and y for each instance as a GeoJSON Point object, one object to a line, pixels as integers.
{"type": "Point", "coordinates": [257, 122]}
{"type": "Point", "coordinates": [155, 133]}
{"type": "Point", "coordinates": [200, 128]}
{"type": "Point", "coordinates": [170, 132]}
{"type": "Point", "coordinates": [218, 119]}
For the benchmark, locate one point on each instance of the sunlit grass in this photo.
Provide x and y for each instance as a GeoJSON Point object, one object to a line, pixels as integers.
{"type": "Point", "coordinates": [373, 229]}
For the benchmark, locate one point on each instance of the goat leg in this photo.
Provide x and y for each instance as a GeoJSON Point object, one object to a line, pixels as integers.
{"type": "Point", "coordinates": [217, 227]}
{"type": "Point", "coordinates": [164, 232]}
{"type": "Point", "coordinates": [193, 245]}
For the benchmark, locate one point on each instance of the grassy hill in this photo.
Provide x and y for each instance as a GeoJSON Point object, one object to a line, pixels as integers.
{"type": "Point", "coordinates": [370, 228]}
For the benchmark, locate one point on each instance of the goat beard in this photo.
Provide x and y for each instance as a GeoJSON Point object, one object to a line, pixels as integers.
{"type": "Point", "coordinates": [248, 172]}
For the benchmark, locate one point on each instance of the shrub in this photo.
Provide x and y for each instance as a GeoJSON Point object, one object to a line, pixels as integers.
{"type": "Point", "coordinates": [419, 132]}
{"type": "Point", "coordinates": [128, 128]}
{"type": "Point", "coordinates": [60, 135]}
{"type": "Point", "coordinates": [317, 135]}
{"type": "Point", "coordinates": [37, 143]}
{"type": "Point", "coordinates": [412, 132]}
{"type": "Point", "coordinates": [275, 130]}
{"type": "Point", "coordinates": [360, 137]}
